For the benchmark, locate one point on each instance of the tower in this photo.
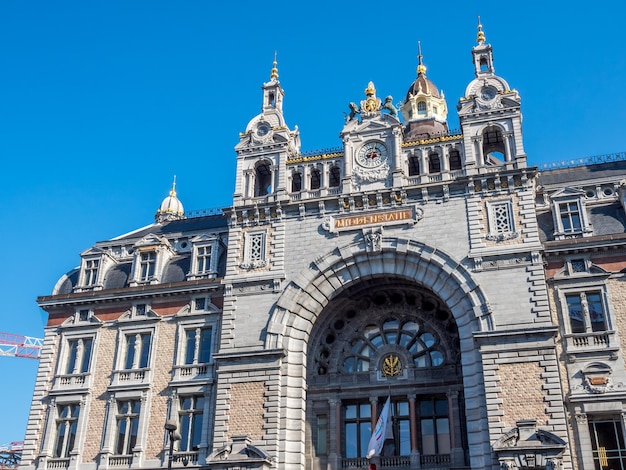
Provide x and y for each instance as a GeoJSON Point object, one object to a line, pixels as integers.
{"type": "Point", "coordinates": [264, 147]}
{"type": "Point", "coordinates": [490, 115]}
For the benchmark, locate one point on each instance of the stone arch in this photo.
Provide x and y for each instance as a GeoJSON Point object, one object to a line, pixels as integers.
{"type": "Point", "coordinates": [298, 308]}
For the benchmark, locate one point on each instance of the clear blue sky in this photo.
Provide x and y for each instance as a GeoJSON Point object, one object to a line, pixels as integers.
{"type": "Point", "coordinates": [101, 103]}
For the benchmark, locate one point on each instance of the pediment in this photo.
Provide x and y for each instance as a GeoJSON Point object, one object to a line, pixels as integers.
{"type": "Point", "coordinates": [204, 238]}
{"type": "Point", "coordinates": [131, 315]}
{"type": "Point", "coordinates": [74, 321]}
{"type": "Point", "coordinates": [93, 251]}
{"type": "Point", "coordinates": [151, 240]}
{"type": "Point", "coordinates": [241, 453]}
{"type": "Point", "coordinates": [567, 192]}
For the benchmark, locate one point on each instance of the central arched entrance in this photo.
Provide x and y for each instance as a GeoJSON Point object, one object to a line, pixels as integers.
{"type": "Point", "coordinates": [382, 337]}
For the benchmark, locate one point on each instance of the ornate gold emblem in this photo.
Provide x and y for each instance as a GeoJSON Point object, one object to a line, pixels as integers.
{"type": "Point", "coordinates": [392, 366]}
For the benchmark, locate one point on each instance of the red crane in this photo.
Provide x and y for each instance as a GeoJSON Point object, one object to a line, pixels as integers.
{"type": "Point", "coordinates": [11, 454]}
{"type": "Point", "coordinates": [20, 346]}
{"type": "Point", "coordinates": [16, 346]}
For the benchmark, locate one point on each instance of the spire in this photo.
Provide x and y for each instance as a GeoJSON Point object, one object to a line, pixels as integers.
{"type": "Point", "coordinates": [171, 208]}
{"type": "Point", "coordinates": [480, 37]}
{"type": "Point", "coordinates": [173, 190]}
{"type": "Point", "coordinates": [421, 68]}
{"type": "Point", "coordinates": [274, 74]}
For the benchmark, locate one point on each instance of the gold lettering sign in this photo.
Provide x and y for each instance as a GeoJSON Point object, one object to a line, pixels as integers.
{"type": "Point", "coordinates": [373, 219]}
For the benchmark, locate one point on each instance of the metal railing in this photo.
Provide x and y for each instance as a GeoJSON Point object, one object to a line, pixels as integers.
{"type": "Point", "coordinates": [584, 161]}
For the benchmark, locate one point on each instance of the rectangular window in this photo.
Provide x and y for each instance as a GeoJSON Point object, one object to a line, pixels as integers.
{"type": "Point", "coordinates": [66, 424]}
{"type": "Point", "coordinates": [586, 312]}
{"type": "Point", "coordinates": [198, 346]}
{"type": "Point", "coordinates": [357, 429]}
{"type": "Point", "coordinates": [502, 218]}
{"type": "Point", "coordinates": [203, 259]}
{"type": "Point", "coordinates": [569, 215]}
{"type": "Point", "coordinates": [91, 272]}
{"type": "Point", "coordinates": [321, 442]}
{"type": "Point", "coordinates": [434, 426]}
{"type": "Point", "coordinates": [127, 426]}
{"type": "Point", "coordinates": [147, 265]}
{"type": "Point", "coordinates": [257, 247]}
{"type": "Point", "coordinates": [79, 355]}
{"type": "Point", "coordinates": [401, 428]}
{"type": "Point", "coordinates": [607, 443]}
{"type": "Point", "coordinates": [190, 422]}
{"type": "Point", "coordinates": [137, 355]}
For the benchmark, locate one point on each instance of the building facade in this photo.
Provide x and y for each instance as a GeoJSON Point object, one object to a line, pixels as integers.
{"type": "Point", "coordinates": [431, 268]}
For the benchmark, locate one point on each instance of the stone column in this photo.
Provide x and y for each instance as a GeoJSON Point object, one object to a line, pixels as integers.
{"type": "Point", "coordinates": [334, 434]}
{"type": "Point", "coordinates": [415, 453]}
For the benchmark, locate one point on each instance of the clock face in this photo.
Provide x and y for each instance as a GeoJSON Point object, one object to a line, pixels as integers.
{"type": "Point", "coordinates": [262, 129]}
{"type": "Point", "coordinates": [372, 154]}
{"type": "Point", "coordinates": [488, 93]}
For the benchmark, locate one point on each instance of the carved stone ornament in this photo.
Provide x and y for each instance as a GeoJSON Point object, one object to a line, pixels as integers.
{"type": "Point", "coordinates": [528, 447]}
{"type": "Point", "coordinates": [370, 175]}
{"type": "Point", "coordinates": [499, 237]}
{"type": "Point", "coordinates": [373, 239]}
{"type": "Point", "coordinates": [239, 454]}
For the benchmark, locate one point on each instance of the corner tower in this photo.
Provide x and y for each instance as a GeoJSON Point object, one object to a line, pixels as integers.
{"type": "Point", "coordinates": [490, 114]}
{"type": "Point", "coordinates": [263, 149]}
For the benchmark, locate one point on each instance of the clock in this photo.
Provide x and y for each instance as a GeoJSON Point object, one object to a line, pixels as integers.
{"type": "Point", "coordinates": [488, 93]}
{"type": "Point", "coordinates": [262, 129]}
{"type": "Point", "coordinates": [372, 154]}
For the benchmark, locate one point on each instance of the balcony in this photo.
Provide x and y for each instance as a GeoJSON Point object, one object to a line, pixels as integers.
{"type": "Point", "coordinates": [58, 463]}
{"type": "Point", "coordinates": [400, 462]}
{"type": "Point", "coordinates": [120, 461]}
{"type": "Point", "coordinates": [186, 372]}
{"type": "Point", "coordinates": [185, 458]}
{"type": "Point", "coordinates": [592, 342]}
{"type": "Point", "coordinates": [126, 377]}
{"type": "Point", "coordinates": [72, 381]}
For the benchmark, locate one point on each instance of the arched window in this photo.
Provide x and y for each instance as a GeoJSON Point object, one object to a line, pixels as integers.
{"type": "Point", "coordinates": [455, 160]}
{"type": "Point", "coordinates": [434, 163]}
{"type": "Point", "coordinates": [315, 178]}
{"type": "Point", "coordinates": [263, 180]}
{"type": "Point", "coordinates": [414, 166]}
{"type": "Point", "coordinates": [334, 177]}
{"type": "Point", "coordinates": [421, 108]}
{"type": "Point", "coordinates": [384, 340]}
{"type": "Point", "coordinates": [484, 65]}
{"type": "Point", "coordinates": [296, 182]}
{"type": "Point", "coordinates": [493, 145]}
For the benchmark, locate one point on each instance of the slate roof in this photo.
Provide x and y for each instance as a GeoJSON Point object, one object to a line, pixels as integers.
{"type": "Point", "coordinates": [212, 222]}
{"type": "Point", "coordinates": [562, 176]}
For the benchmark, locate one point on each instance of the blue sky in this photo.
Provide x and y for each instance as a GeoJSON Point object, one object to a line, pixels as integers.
{"type": "Point", "coordinates": [101, 103]}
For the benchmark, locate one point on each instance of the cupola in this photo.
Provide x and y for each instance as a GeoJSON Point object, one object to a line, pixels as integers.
{"type": "Point", "coordinates": [424, 109]}
{"type": "Point", "coordinates": [171, 207]}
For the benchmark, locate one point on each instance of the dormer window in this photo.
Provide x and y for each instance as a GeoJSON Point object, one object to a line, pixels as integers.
{"type": "Point", "coordinates": [91, 272]}
{"type": "Point", "coordinates": [204, 257]}
{"type": "Point", "coordinates": [147, 266]}
{"type": "Point", "coordinates": [569, 214]}
{"type": "Point", "coordinates": [421, 108]}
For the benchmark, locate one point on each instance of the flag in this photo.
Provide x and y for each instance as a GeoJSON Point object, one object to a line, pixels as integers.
{"type": "Point", "coordinates": [378, 436]}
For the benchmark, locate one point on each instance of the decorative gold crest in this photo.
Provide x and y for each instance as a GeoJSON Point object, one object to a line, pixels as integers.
{"type": "Point", "coordinates": [392, 366]}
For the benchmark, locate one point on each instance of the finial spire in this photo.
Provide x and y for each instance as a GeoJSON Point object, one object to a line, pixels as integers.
{"type": "Point", "coordinates": [173, 190]}
{"type": "Point", "coordinates": [274, 74]}
{"type": "Point", "coordinates": [480, 37]}
{"type": "Point", "coordinates": [421, 68]}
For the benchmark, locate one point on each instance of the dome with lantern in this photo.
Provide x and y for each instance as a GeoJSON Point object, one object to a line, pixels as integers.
{"type": "Point", "coordinates": [171, 208]}
{"type": "Point", "coordinates": [424, 109]}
